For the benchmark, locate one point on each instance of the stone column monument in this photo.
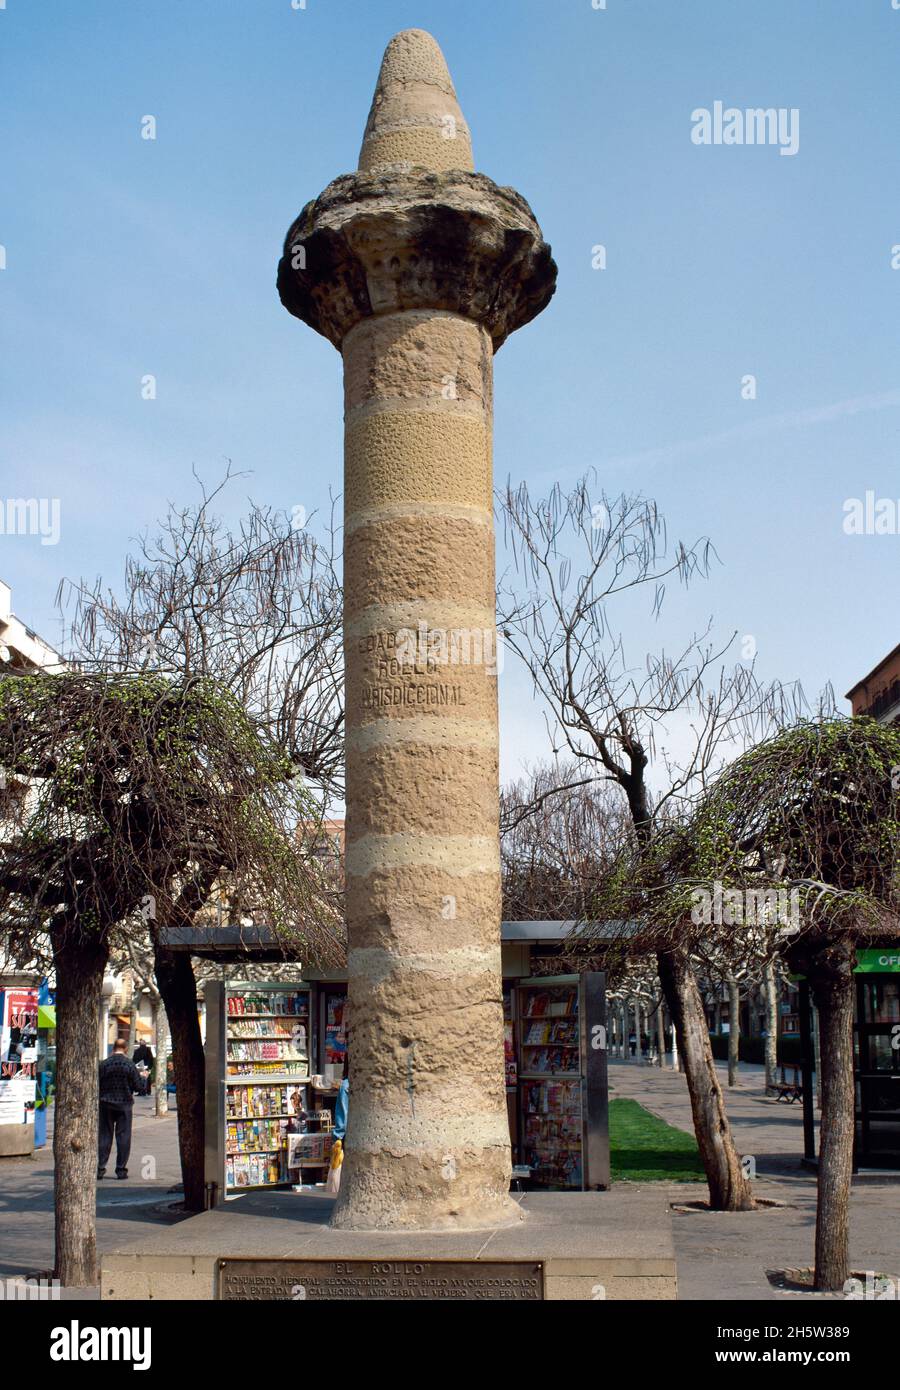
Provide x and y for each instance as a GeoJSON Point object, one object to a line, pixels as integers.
{"type": "Point", "coordinates": [417, 269]}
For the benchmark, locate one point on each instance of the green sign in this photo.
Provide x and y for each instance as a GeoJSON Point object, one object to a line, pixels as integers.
{"type": "Point", "coordinates": [878, 960]}
{"type": "Point", "coordinates": [870, 960]}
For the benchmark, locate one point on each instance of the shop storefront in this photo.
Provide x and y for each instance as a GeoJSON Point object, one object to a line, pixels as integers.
{"type": "Point", "coordinates": [876, 1061]}
{"type": "Point", "coordinates": [877, 1058]}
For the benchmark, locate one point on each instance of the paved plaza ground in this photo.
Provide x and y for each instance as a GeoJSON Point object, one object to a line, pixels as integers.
{"type": "Point", "coordinates": [725, 1256]}
{"type": "Point", "coordinates": [720, 1256]}
{"type": "Point", "coordinates": [125, 1207]}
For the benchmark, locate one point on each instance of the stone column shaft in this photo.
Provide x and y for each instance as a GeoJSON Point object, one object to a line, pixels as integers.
{"type": "Point", "coordinates": [422, 864]}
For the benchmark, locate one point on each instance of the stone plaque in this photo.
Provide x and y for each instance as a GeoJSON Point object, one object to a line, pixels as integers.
{"type": "Point", "coordinates": [390, 1281]}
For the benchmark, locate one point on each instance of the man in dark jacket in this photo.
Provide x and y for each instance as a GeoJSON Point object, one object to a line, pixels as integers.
{"type": "Point", "coordinates": [143, 1057]}
{"type": "Point", "coordinates": [119, 1079]}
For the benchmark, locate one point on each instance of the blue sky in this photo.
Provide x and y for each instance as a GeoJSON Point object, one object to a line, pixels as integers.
{"type": "Point", "coordinates": [127, 257]}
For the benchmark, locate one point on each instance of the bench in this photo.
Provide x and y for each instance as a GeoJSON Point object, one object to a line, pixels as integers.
{"type": "Point", "coordinates": [790, 1088]}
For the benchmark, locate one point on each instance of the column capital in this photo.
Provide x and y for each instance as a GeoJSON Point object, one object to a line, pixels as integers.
{"type": "Point", "coordinates": [394, 239]}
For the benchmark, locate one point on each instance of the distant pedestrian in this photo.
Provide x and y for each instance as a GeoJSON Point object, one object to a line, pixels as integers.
{"type": "Point", "coordinates": [341, 1112]}
{"type": "Point", "coordinates": [342, 1104]}
{"type": "Point", "coordinates": [119, 1080]}
{"type": "Point", "coordinates": [143, 1060]}
{"type": "Point", "coordinates": [632, 1043]}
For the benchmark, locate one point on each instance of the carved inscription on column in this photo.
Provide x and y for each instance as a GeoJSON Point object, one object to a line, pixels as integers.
{"type": "Point", "coordinates": [402, 675]}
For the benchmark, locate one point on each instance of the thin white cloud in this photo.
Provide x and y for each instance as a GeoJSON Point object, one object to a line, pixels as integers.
{"type": "Point", "coordinates": [769, 424]}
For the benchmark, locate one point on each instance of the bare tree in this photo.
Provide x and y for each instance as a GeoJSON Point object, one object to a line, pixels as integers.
{"type": "Point", "coordinates": [258, 610]}
{"type": "Point", "coordinates": [557, 835]}
{"type": "Point", "coordinates": [576, 559]}
{"type": "Point", "coordinates": [631, 982]}
{"type": "Point", "coordinates": [736, 961]}
{"type": "Point", "coordinates": [770, 997]}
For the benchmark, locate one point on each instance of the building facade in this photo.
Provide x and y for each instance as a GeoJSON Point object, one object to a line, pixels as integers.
{"type": "Point", "coordinates": [878, 694]}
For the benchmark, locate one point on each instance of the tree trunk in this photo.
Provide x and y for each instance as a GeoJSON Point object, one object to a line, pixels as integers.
{"type": "Point", "coordinates": [833, 988]}
{"type": "Point", "coordinates": [734, 1031]}
{"type": "Point", "coordinates": [132, 1024]}
{"type": "Point", "coordinates": [660, 1037]}
{"type": "Point", "coordinates": [160, 1069]}
{"type": "Point", "coordinates": [770, 995]}
{"type": "Point", "coordinates": [729, 1190]}
{"type": "Point", "coordinates": [178, 987]}
{"type": "Point", "coordinates": [80, 961]}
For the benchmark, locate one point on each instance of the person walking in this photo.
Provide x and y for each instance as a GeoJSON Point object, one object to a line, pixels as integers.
{"type": "Point", "coordinates": [143, 1060]}
{"type": "Point", "coordinates": [119, 1080]}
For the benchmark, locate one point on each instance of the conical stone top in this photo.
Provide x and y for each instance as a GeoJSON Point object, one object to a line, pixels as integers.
{"type": "Point", "coordinates": [415, 118]}
{"type": "Point", "coordinates": [415, 228]}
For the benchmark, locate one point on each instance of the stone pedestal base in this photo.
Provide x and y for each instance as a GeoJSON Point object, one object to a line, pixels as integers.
{"type": "Point", "coordinates": [590, 1246]}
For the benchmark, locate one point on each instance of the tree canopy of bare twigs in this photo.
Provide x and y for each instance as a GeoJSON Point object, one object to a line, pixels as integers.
{"type": "Point", "coordinates": [558, 835]}
{"type": "Point", "coordinates": [576, 558]}
{"type": "Point", "coordinates": [257, 609]}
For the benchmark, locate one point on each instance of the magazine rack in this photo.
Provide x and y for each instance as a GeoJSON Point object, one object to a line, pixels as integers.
{"type": "Point", "coordinates": [559, 1025]}
{"type": "Point", "coordinates": [257, 1083]}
